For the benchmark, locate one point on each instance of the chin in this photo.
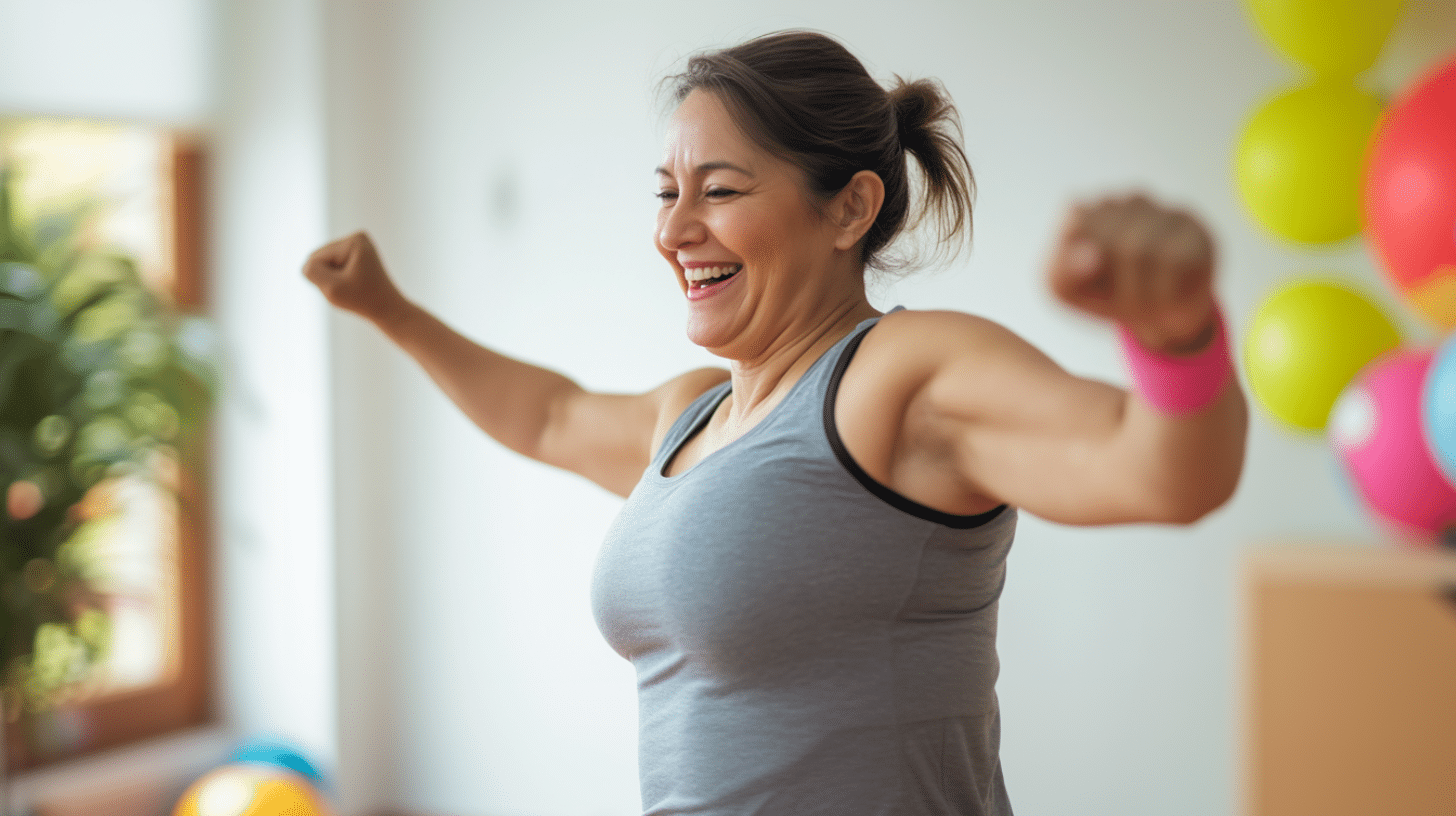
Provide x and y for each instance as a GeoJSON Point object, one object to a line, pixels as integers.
{"type": "Point", "coordinates": [705, 340]}
{"type": "Point", "coordinates": [708, 334]}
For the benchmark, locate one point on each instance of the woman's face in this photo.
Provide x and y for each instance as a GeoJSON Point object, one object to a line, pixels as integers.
{"type": "Point", "coordinates": [731, 209]}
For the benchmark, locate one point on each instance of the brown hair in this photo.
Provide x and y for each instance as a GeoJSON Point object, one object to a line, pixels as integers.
{"type": "Point", "coordinates": [804, 97]}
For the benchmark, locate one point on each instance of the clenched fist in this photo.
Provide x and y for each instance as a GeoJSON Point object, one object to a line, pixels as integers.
{"type": "Point", "coordinates": [350, 274]}
{"type": "Point", "coordinates": [1143, 265]}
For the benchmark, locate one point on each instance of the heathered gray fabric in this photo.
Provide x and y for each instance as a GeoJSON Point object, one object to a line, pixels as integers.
{"type": "Point", "coordinates": [801, 645]}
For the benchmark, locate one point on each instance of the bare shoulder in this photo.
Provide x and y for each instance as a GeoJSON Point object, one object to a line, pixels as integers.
{"type": "Point", "coordinates": [674, 396]}
{"type": "Point", "coordinates": [925, 342]}
{"type": "Point", "coordinates": [887, 411]}
{"type": "Point", "coordinates": [919, 366]}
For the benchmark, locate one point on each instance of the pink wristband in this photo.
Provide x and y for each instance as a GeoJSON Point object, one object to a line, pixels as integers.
{"type": "Point", "coordinates": [1177, 385]}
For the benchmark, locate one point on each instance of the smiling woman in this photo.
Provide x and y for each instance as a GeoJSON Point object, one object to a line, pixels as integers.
{"type": "Point", "coordinates": [735, 230]}
{"type": "Point", "coordinates": [806, 571]}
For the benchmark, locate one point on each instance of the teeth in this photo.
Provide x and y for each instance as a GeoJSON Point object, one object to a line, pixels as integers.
{"type": "Point", "coordinates": [705, 272]}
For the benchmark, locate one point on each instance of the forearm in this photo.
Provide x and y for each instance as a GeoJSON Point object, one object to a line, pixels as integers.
{"type": "Point", "coordinates": [510, 400]}
{"type": "Point", "coordinates": [1187, 410]}
{"type": "Point", "coordinates": [1186, 464]}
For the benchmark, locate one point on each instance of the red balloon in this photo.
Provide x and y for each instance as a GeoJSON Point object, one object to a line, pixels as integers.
{"type": "Point", "coordinates": [1410, 195]}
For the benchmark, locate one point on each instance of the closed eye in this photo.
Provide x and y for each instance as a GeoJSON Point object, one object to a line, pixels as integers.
{"type": "Point", "coordinates": [719, 192]}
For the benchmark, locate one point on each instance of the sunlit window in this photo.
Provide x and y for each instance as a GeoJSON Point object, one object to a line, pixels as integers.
{"type": "Point", "coordinates": [106, 590]}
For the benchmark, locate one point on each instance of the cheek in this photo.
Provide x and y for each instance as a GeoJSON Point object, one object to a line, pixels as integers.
{"type": "Point", "coordinates": [747, 235]}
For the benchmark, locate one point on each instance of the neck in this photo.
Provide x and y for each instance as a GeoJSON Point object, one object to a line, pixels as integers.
{"type": "Point", "coordinates": [761, 381]}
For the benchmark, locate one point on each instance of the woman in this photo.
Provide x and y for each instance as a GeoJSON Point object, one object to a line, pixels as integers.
{"type": "Point", "coordinates": [806, 570]}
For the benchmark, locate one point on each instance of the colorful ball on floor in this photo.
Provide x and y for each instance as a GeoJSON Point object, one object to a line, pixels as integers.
{"type": "Point", "coordinates": [251, 789]}
{"type": "Point", "coordinates": [281, 753]}
{"type": "Point", "coordinates": [1376, 431]}
{"type": "Point", "coordinates": [1306, 343]}
{"type": "Point", "coordinates": [1410, 195]}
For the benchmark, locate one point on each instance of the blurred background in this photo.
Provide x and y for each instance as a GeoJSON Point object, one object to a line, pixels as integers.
{"type": "Point", "coordinates": [407, 601]}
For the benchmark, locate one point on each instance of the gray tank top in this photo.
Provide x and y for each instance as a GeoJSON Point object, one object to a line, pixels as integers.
{"type": "Point", "coordinates": [806, 641]}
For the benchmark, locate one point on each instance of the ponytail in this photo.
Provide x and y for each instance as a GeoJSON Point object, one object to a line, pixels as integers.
{"type": "Point", "coordinates": [926, 125]}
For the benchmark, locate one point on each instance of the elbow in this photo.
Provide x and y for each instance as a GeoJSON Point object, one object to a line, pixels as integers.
{"type": "Point", "coordinates": [1188, 498]}
{"type": "Point", "coordinates": [1204, 476]}
{"type": "Point", "coordinates": [1189, 510]}
{"type": "Point", "coordinates": [1184, 507]}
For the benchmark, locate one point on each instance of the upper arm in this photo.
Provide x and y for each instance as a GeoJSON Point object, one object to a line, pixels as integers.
{"type": "Point", "coordinates": [610, 438]}
{"type": "Point", "coordinates": [1016, 427]}
{"type": "Point", "coordinates": [1025, 431]}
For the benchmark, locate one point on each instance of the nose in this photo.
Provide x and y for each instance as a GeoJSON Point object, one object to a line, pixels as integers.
{"type": "Point", "coordinates": [679, 226]}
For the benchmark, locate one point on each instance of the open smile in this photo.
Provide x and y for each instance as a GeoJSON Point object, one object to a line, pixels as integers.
{"type": "Point", "coordinates": [705, 276]}
{"type": "Point", "coordinates": [706, 281]}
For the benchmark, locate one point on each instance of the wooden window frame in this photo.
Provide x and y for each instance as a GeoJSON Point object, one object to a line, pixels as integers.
{"type": "Point", "coordinates": [185, 699]}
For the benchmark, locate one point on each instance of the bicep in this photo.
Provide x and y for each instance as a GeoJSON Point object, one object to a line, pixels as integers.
{"type": "Point", "coordinates": [1063, 468]}
{"type": "Point", "coordinates": [1075, 450]}
{"type": "Point", "coordinates": [1024, 431]}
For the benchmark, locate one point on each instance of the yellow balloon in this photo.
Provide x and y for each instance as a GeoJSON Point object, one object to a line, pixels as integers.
{"type": "Point", "coordinates": [248, 789]}
{"type": "Point", "coordinates": [1307, 342]}
{"type": "Point", "coordinates": [1333, 38]}
{"type": "Point", "coordinates": [1300, 163]}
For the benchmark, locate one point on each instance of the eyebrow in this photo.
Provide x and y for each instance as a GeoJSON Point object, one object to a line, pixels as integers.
{"type": "Point", "coordinates": [710, 166]}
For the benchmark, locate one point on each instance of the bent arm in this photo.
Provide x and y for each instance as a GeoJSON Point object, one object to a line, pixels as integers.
{"type": "Point", "coordinates": [1074, 450]}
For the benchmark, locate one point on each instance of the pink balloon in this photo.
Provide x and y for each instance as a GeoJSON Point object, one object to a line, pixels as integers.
{"type": "Point", "coordinates": [1376, 430]}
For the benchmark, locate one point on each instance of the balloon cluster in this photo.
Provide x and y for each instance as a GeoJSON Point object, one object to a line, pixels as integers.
{"type": "Point", "coordinates": [1319, 164]}
{"type": "Point", "coordinates": [1300, 156]}
{"type": "Point", "coordinates": [263, 777]}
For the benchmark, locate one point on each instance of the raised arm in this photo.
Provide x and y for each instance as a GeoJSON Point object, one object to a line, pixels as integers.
{"type": "Point", "coordinates": [1010, 425]}
{"type": "Point", "coordinates": [1072, 450]}
{"type": "Point", "coordinates": [607, 438]}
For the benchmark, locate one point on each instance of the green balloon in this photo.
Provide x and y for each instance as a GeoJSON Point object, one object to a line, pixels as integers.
{"type": "Point", "coordinates": [1333, 38]}
{"type": "Point", "coordinates": [1306, 343]}
{"type": "Point", "coordinates": [1300, 163]}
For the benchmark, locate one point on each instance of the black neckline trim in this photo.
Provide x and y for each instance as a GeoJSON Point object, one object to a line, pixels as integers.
{"type": "Point", "coordinates": [890, 497]}
{"type": "Point", "coordinates": [695, 428]}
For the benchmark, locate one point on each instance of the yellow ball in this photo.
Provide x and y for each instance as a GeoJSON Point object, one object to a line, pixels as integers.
{"type": "Point", "coordinates": [1300, 163]}
{"type": "Point", "coordinates": [1333, 38]}
{"type": "Point", "coordinates": [1307, 342]}
{"type": "Point", "coordinates": [248, 789]}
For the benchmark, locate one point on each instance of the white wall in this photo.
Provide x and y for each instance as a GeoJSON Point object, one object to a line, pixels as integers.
{"type": "Point", "coordinates": [276, 622]}
{"type": "Point", "coordinates": [148, 60]}
{"type": "Point", "coordinates": [362, 83]}
{"type": "Point", "coordinates": [509, 187]}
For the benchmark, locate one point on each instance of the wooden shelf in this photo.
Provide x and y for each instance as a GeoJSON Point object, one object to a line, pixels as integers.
{"type": "Point", "coordinates": [1353, 562]}
{"type": "Point", "coordinates": [1350, 680]}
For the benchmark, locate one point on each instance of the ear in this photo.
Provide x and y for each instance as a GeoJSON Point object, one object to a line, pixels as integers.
{"type": "Point", "coordinates": [855, 208]}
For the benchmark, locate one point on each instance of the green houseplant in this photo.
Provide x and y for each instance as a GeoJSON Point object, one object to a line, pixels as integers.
{"type": "Point", "coordinates": [99, 381]}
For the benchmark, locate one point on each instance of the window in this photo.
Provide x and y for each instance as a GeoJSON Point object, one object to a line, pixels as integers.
{"type": "Point", "coordinates": [152, 560]}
